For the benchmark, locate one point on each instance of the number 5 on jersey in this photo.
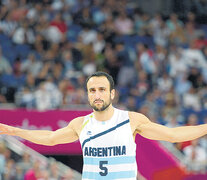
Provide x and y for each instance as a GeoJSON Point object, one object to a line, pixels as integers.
{"type": "Point", "coordinates": [102, 166]}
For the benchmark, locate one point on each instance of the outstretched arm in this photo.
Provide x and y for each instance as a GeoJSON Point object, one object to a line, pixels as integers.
{"type": "Point", "coordinates": [154, 131]}
{"type": "Point", "coordinates": [44, 137]}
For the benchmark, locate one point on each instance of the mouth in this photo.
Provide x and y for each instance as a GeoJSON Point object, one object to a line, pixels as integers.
{"type": "Point", "coordinates": [98, 101]}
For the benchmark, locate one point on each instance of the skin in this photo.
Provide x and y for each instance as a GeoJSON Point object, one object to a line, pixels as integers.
{"type": "Point", "coordinates": [99, 95]}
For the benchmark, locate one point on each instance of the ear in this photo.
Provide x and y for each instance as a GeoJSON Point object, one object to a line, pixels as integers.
{"type": "Point", "coordinates": [112, 94]}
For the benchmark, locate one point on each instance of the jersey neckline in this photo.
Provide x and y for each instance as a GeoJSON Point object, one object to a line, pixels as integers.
{"type": "Point", "coordinates": [107, 121]}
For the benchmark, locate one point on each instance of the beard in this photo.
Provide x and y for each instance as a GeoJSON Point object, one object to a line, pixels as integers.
{"type": "Point", "coordinates": [104, 106]}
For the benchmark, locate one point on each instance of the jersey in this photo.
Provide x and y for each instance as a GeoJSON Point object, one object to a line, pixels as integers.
{"type": "Point", "coordinates": [108, 148]}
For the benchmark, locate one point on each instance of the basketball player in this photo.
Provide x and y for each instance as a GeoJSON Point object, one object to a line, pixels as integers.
{"type": "Point", "coordinates": [107, 135]}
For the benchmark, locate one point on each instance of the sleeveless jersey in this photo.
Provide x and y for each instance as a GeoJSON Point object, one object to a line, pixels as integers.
{"type": "Point", "coordinates": [108, 148]}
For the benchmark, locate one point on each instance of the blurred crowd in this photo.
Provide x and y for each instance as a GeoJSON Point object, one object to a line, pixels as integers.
{"type": "Point", "coordinates": [27, 167]}
{"type": "Point", "coordinates": [159, 62]}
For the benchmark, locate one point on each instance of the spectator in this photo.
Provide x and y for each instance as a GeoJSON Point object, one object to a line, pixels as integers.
{"type": "Point", "coordinates": [25, 163]}
{"type": "Point", "coordinates": [30, 82]}
{"type": "Point", "coordinates": [178, 66]}
{"type": "Point", "coordinates": [192, 100]}
{"type": "Point", "coordinates": [141, 85]}
{"type": "Point", "coordinates": [123, 24]}
{"type": "Point", "coordinates": [192, 120]}
{"type": "Point", "coordinates": [10, 173]}
{"type": "Point", "coordinates": [108, 29]}
{"type": "Point", "coordinates": [53, 171]}
{"type": "Point", "coordinates": [151, 104]}
{"type": "Point", "coordinates": [131, 103]}
{"type": "Point", "coordinates": [194, 57]}
{"type": "Point", "coordinates": [34, 173]}
{"type": "Point", "coordinates": [182, 85]}
{"type": "Point", "coordinates": [99, 43]}
{"type": "Point", "coordinates": [126, 67]}
{"type": "Point", "coordinates": [111, 63]}
{"type": "Point", "coordinates": [141, 23]}
{"type": "Point", "coordinates": [57, 73]}
{"type": "Point", "coordinates": [44, 32]}
{"type": "Point", "coordinates": [173, 22]}
{"type": "Point", "coordinates": [171, 108]}
{"type": "Point", "coordinates": [165, 83]}
{"type": "Point", "coordinates": [48, 96]}
{"type": "Point", "coordinates": [195, 157]}
{"type": "Point", "coordinates": [84, 17]}
{"type": "Point", "coordinates": [145, 57]}
{"type": "Point", "coordinates": [69, 175]}
{"type": "Point", "coordinates": [31, 65]}
{"type": "Point", "coordinates": [35, 12]}
{"type": "Point", "coordinates": [23, 34]}
{"type": "Point", "coordinates": [172, 122]}
{"type": "Point", "coordinates": [203, 95]}
{"type": "Point", "coordinates": [80, 97]}
{"type": "Point", "coordinates": [44, 175]}
{"type": "Point", "coordinates": [19, 173]}
{"type": "Point", "coordinates": [201, 83]}
{"type": "Point", "coordinates": [193, 76]}
{"type": "Point", "coordinates": [159, 30]}
{"type": "Point", "coordinates": [5, 67]}
{"type": "Point", "coordinates": [44, 72]}
{"type": "Point", "coordinates": [59, 23]}
{"type": "Point", "coordinates": [66, 88]}
{"type": "Point", "coordinates": [25, 98]}
{"type": "Point", "coordinates": [100, 14]}
{"type": "Point", "coordinates": [190, 32]}
{"type": "Point", "coordinates": [67, 61]}
{"type": "Point", "coordinates": [161, 59]}
{"type": "Point", "coordinates": [18, 10]}
{"type": "Point", "coordinates": [8, 25]}
{"type": "Point", "coordinates": [88, 35]}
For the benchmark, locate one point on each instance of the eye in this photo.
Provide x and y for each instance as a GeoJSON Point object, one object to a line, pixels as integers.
{"type": "Point", "coordinates": [92, 90]}
{"type": "Point", "coordinates": [102, 89]}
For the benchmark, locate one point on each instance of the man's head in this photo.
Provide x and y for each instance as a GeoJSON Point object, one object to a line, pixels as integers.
{"type": "Point", "coordinates": [100, 89]}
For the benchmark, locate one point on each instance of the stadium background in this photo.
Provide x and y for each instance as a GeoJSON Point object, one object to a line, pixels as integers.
{"type": "Point", "coordinates": [155, 50]}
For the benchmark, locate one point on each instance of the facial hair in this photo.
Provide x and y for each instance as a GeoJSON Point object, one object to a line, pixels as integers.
{"type": "Point", "coordinates": [104, 106]}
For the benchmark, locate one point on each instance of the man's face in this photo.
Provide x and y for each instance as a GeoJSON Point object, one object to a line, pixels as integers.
{"type": "Point", "coordinates": [99, 95]}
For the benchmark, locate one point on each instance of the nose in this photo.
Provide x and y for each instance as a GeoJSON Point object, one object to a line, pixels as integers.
{"type": "Point", "coordinates": [97, 95]}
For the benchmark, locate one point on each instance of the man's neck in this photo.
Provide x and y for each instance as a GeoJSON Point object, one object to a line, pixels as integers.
{"type": "Point", "coordinates": [104, 115]}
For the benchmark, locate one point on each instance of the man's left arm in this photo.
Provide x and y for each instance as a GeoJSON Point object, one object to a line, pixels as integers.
{"type": "Point", "coordinates": [155, 131]}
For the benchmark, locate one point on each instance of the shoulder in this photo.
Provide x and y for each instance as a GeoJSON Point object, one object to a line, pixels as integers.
{"type": "Point", "coordinates": [137, 118]}
{"type": "Point", "coordinates": [133, 114]}
{"type": "Point", "coordinates": [76, 124]}
{"type": "Point", "coordinates": [77, 121]}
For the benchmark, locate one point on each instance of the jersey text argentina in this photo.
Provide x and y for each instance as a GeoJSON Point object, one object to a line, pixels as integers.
{"type": "Point", "coordinates": [108, 148]}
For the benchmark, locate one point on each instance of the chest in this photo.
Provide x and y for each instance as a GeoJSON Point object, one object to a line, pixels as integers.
{"type": "Point", "coordinates": [103, 134]}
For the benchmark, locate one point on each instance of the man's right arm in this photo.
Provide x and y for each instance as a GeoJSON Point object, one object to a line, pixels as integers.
{"type": "Point", "coordinates": [64, 135]}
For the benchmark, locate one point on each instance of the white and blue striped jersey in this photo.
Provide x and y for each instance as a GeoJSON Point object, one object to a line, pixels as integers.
{"type": "Point", "coordinates": [108, 148]}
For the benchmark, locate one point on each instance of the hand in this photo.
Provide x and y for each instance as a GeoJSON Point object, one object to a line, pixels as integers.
{"type": "Point", "coordinates": [8, 130]}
